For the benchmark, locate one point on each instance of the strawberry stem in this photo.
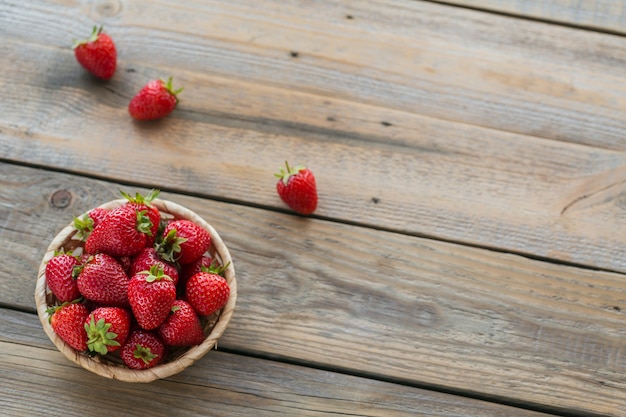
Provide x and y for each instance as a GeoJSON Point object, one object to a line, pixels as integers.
{"type": "Point", "coordinates": [169, 86]}
{"type": "Point", "coordinates": [94, 37]}
{"type": "Point", "coordinates": [284, 175]}
{"type": "Point", "coordinates": [144, 353]}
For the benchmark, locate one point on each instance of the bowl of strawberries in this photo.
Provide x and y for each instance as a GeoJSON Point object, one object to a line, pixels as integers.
{"type": "Point", "coordinates": [136, 289]}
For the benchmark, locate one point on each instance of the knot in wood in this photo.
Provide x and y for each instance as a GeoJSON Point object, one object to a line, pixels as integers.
{"type": "Point", "coordinates": [108, 8]}
{"type": "Point", "coordinates": [61, 199]}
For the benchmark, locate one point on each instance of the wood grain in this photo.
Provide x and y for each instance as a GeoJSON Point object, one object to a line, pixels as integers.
{"type": "Point", "coordinates": [399, 137]}
{"type": "Point", "coordinates": [413, 57]}
{"type": "Point", "coordinates": [221, 384]}
{"type": "Point", "coordinates": [380, 304]}
{"type": "Point", "coordinates": [604, 15]}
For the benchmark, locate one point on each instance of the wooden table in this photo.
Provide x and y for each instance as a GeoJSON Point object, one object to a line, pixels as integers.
{"type": "Point", "coordinates": [467, 254]}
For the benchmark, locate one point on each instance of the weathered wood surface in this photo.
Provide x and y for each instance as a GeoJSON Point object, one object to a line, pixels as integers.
{"type": "Point", "coordinates": [425, 123]}
{"type": "Point", "coordinates": [406, 112]}
{"type": "Point", "coordinates": [362, 301]}
{"type": "Point", "coordinates": [602, 15]}
{"type": "Point", "coordinates": [387, 59]}
{"type": "Point", "coordinates": [36, 377]}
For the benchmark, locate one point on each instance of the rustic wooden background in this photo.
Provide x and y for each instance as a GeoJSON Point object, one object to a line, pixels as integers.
{"type": "Point", "coordinates": [467, 255]}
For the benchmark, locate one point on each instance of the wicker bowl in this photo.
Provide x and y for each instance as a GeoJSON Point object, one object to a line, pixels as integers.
{"type": "Point", "coordinates": [111, 366]}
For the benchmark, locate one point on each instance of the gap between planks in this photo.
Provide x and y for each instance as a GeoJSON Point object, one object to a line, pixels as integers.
{"type": "Point", "coordinates": [518, 14]}
{"type": "Point", "coordinates": [553, 261]}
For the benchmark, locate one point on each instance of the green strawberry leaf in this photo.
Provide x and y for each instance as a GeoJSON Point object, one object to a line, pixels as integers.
{"type": "Point", "coordinates": [144, 353]}
{"type": "Point", "coordinates": [156, 273]}
{"type": "Point", "coordinates": [285, 174]}
{"type": "Point", "coordinates": [169, 247]}
{"type": "Point", "coordinates": [84, 225]}
{"type": "Point", "coordinates": [76, 270]}
{"type": "Point", "coordinates": [170, 87]}
{"type": "Point", "coordinates": [94, 37]}
{"type": "Point", "coordinates": [140, 199]}
{"type": "Point", "coordinates": [53, 309]}
{"type": "Point", "coordinates": [99, 337]}
{"type": "Point", "coordinates": [215, 268]}
{"type": "Point", "coordinates": [144, 224]}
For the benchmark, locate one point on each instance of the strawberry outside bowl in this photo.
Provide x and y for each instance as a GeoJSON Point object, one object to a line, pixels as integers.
{"type": "Point", "coordinates": [111, 365]}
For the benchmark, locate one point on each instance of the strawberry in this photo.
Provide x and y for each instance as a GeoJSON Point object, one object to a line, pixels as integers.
{"type": "Point", "coordinates": [98, 214]}
{"type": "Point", "coordinates": [124, 232]}
{"type": "Point", "coordinates": [182, 327]}
{"type": "Point", "coordinates": [141, 203]}
{"type": "Point", "coordinates": [142, 350]}
{"type": "Point", "coordinates": [107, 329]}
{"type": "Point", "coordinates": [183, 242]}
{"type": "Point", "coordinates": [201, 264]}
{"type": "Point", "coordinates": [61, 273]}
{"type": "Point", "coordinates": [104, 281]}
{"type": "Point", "coordinates": [92, 305]}
{"type": "Point", "coordinates": [149, 257]}
{"type": "Point", "coordinates": [207, 292]}
{"type": "Point", "coordinates": [125, 262]}
{"type": "Point", "coordinates": [155, 100]}
{"type": "Point", "coordinates": [87, 222]}
{"type": "Point", "coordinates": [97, 54]}
{"type": "Point", "coordinates": [67, 322]}
{"type": "Point", "coordinates": [296, 187]}
{"type": "Point", "coordinates": [151, 295]}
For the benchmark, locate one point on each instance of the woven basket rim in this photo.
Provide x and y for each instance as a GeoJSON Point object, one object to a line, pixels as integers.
{"type": "Point", "coordinates": [160, 371]}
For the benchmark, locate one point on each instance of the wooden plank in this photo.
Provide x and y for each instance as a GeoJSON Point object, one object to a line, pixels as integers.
{"type": "Point", "coordinates": [604, 15]}
{"type": "Point", "coordinates": [221, 384]}
{"type": "Point", "coordinates": [361, 123]}
{"type": "Point", "coordinates": [375, 303]}
{"type": "Point", "coordinates": [438, 61]}
{"type": "Point", "coordinates": [561, 202]}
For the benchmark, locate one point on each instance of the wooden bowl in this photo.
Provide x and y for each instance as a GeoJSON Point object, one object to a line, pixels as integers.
{"type": "Point", "coordinates": [111, 366]}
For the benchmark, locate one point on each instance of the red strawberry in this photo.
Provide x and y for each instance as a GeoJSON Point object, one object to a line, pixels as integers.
{"type": "Point", "coordinates": [61, 273]}
{"type": "Point", "coordinates": [87, 222]}
{"type": "Point", "coordinates": [104, 281]}
{"type": "Point", "coordinates": [97, 54]}
{"type": "Point", "coordinates": [155, 100]}
{"type": "Point", "coordinates": [123, 232]}
{"type": "Point", "coordinates": [151, 295]}
{"type": "Point", "coordinates": [141, 203]}
{"type": "Point", "coordinates": [98, 214]}
{"type": "Point", "coordinates": [107, 329]}
{"type": "Point", "coordinates": [182, 327]}
{"type": "Point", "coordinates": [125, 262]}
{"type": "Point", "coordinates": [67, 322]}
{"type": "Point", "coordinates": [142, 350]}
{"type": "Point", "coordinates": [183, 242]}
{"type": "Point", "coordinates": [92, 305]}
{"type": "Point", "coordinates": [189, 270]}
{"type": "Point", "coordinates": [148, 258]}
{"type": "Point", "coordinates": [207, 292]}
{"type": "Point", "coordinates": [296, 187]}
